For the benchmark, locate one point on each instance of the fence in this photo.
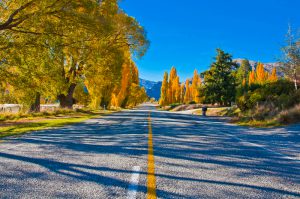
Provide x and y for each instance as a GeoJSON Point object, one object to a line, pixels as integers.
{"type": "Point", "coordinates": [49, 107]}
{"type": "Point", "coordinates": [10, 108]}
{"type": "Point", "coordinates": [15, 108]}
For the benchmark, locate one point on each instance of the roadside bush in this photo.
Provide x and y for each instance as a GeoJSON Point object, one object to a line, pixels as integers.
{"type": "Point", "coordinates": [281, 93]}
{"type": "Point", "coordinates": [249, 101]}
{"type": "Point", "coordinates": [255, 98]}
{"type": "Point", "coordinates": [192, 102]}
{"type": "Point", "coordinates": [292, 100]}
{"type": "Point", "coordinates": [265, 111]}
{"type": "Point", "coordinates": [242, 103]}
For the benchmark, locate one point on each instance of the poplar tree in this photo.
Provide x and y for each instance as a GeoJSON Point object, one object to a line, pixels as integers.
{"type": "Point", "coordinates": [252, 77]}
{"type": "Point", "coordinates": [182, 92]}
{"type": "Point", "coordinates": [273, 77]}
{"type": "Point", "coordinates": [164, 91]}
{"type": "Point", "coordinates": [176, 89]}
{"type": "Point", "coordinates": [187, 95]}
{"type": "Point", "coordinates": [261, 74]}
{"type": "Point", "coordinates": [172, 89]}
{"type": "Point", "coordinates": [196, 86]}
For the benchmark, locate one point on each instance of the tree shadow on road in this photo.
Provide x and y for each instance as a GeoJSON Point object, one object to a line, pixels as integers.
{"type": "Point", "coordinates": [203, 142]}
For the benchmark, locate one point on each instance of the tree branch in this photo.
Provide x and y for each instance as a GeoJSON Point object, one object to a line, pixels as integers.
{"type": "Point", "coordinates": [9, 23]}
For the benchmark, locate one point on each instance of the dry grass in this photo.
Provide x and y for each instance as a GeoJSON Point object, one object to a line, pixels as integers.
{"type": "Point", "coordinates": [267, 117]}
{"type": "Point", "coordinates": [44, 114]}
{"type": "Point", "coordinates": [246, 121]}
{"type": "Point", "coordinates": [290, 116]}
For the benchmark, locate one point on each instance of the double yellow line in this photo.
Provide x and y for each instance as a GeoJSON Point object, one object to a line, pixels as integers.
{"type": "Point", "coordinates": [151, 181]}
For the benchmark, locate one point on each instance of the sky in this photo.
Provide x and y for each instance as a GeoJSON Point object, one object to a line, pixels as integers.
{"type": "Point", "coordinates": [185, 34]}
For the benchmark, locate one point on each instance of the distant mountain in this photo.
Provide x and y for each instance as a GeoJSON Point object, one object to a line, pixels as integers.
{"type": "Point", "coordinates": [152, 88]}
{"type": "Point", "coordinates": [147, 84]}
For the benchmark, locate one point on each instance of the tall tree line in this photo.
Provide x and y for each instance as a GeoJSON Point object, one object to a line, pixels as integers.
{"type": "Point", "coordinates": [172, 91]}
{"type": "Point", "coordinates": [222, 83]}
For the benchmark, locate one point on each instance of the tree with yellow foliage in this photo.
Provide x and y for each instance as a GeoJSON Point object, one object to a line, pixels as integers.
{"type": "Point", "coordinates": [182, 93]}
{"type": "Point", "coordinates": [172, 88]}
{"type": "Point", "coordinates": [196, 83]}
{"type": "Point", "coordinates": [187, 95]}
{"type": "Point", "coordinates": [252, 78]}
{"type": "Point", "coordinates": [63, 43]}
{"type": "Point", "coordinates": [125, 85]}
{"type": "Point", "coordinates": [128, 93]}
{"type": "Point", "coordinates": [273, 77]}
{"type": "Point", "coordinates": [261, 74]}
{"type": "Point", "coordinates": [164, 91]}
{"type": "Point", "coordinates": [176, 90]}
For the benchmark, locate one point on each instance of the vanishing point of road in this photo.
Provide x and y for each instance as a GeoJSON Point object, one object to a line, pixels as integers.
{"type": "Point", "coordinates": [144, 153]}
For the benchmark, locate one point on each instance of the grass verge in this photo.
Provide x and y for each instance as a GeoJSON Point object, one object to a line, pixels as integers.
{"type": "Point", "coordinates": [18, 127]}
{"type": "Point", "coordinates": [256, 123]}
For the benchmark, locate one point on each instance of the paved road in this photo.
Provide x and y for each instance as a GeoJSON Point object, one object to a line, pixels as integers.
{"type": "Point", "coordinates": [195, 157]}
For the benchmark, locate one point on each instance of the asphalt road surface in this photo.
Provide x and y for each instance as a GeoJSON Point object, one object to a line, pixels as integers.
{"type": "Point", "coordinates": [192, 157]}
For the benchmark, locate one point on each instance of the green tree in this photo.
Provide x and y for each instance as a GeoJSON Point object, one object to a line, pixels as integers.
{"type": "Point", "coordinates": [219, 80]}
{"type": "Point", "coordinates": [243, 71]}
{"type": "Point", "coordinates": [242, 77]}
{"type": "Point", "coordinates": [188, 94]}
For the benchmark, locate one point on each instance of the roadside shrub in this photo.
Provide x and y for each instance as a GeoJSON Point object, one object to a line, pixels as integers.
{"type": "Point", "coordinates": [249, 101]}
{"type": "Point", "coordinates": [281, 93]}
{"type": "Point", "coordinates": [242, 103]}
{"type": "Point", "coordinates": [265, 111]}
{"type": "Point", "coordinates": [255, 98]}
{"type": "Point", "coordinates": [283, 101]}
{"type": "Point", "coordinates": [192, 102]}
{"type": "Point", "coordinates": [291, 100]}
{"type": "Point", "coordinates": [279, 87]}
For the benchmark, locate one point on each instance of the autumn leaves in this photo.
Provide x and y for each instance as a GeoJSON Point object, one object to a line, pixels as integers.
{"type": "Point", "coordinates": [261, 76]}
{"type": "Point", "coordinates": [71, 51]}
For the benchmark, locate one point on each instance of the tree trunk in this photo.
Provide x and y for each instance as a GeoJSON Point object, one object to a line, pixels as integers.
{"type": "Point", "coordinates": [67, 101]}
{"type": "Point", "coordinates": [295, 79]}
{"type": "Point", "coordinates": [36, 106]}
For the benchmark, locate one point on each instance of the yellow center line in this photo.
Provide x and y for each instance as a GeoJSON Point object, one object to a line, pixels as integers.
{"type": "Point", "coordinates": [151, 181]}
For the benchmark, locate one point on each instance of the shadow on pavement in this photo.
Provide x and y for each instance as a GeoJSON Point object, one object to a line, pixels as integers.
{"type": "Point", "coordinates": [176, 136]}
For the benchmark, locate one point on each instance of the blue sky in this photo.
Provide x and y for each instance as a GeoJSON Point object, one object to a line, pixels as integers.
{"type": "Point", "coordinates": [186, 33]}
